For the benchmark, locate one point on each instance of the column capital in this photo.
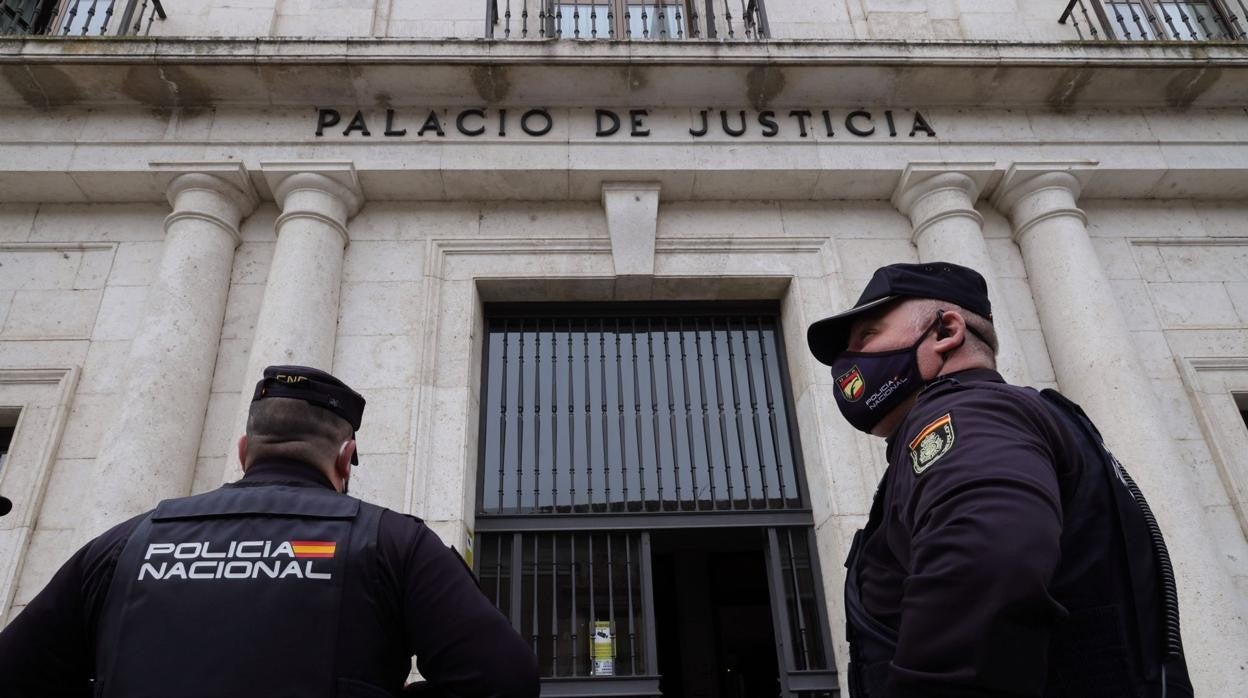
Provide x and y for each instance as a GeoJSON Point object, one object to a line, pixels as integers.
{"type": "Point", "coordinates": [960, 183]}
{"type": "Point", "coordinates": [1021, 189]}
{"type": "Point", "coordinates": [220, 192]}
{"type": "Point", "coordinates": [336, 187]}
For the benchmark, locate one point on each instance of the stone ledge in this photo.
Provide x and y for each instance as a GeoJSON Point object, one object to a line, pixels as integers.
{"type": "Point", "coordinates": [43, 72]}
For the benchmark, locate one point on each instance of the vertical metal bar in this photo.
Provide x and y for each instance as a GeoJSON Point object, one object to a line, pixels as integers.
{"type": "Point", "coordinates": [628, 22]}
{"type": "Point", "coordinates": [536, 580]}
{"type": "Point", "coordinates": [619, 405]}
{"type": "Point", "coordinates": [507, 22]}
{"type": "Point", "coordinates": [502, 419]}
{"type": "Point", "coordinates": [90, 16]}
{"type": "Point", "coordinates": [554, 416]}
{"type": "Point", "coordinates": [641, 464]}
{"type": "Point", "coordinates": [611, 20]}
{"type": "Point", "coordinates": [645, 28]}
{"type": "Point", "coordinates": [517, 574]}
{"type": "Point", "coordinates": [723, 417]}
{"type": "Point", "coordinates": [779, 612]}
{"type": "Point", "coordinates": [576, 21]}
{"type": "Point", "coordinates": [671, 420]}
{"type": "Point", "coordinates": [695, 29]}
{"type": "Point", "coordinates": [728, 19]}
{"type": "Point", "coordinates": [647, 606]}
{"type": "Point", "coordinates": [524, 19]}
{"type": "Point", "coordinates": [1103, 20]}
{"type": "Point", "coordinates": [575, 662]}
{"type": "Point", "coordinates": [537, 414]}
{"type": "Point", "coordinates": [706, 422]}
{"type": "Point", "coordinates": [593, 609]}
{"type": "Point", "coordinates": [736, 410]}
{"type": "Point", "coordinates": [654, 419]}
{"type": "Point", "coordinates": [606, 456]}
{"type": "Point", "coordinates": [571, 425]}
{"type": "Point", "coordinates": [1243, 34]}
{"type": "Point", "coordinates": [593, 21]}
{"type": "Point", "coordinates": [1174, 32]}
{"type": "Point", "coordinates": [821, 605]}
{"type": "Point", "coordinates": [554, 603]}
{"type": "Point", "coordinates": [108, 16]}
{"type": "Point", "coordinates": [1139, 23]}
{"type": "Point", "coordinates": [611, 593]}
{"type": "Point", "coordinates": [1121, 22]}
{"type": "Point", "coordinates": [1091, 25]}
{"type": "Point", "coordinates": [632, 624]}
{"type": "Point", "coordinates": [69, 17]}
{"type": "Point", "coordinates": [520, 423]}
{"type": "Point", "coordinates": [771, 413]}
{"type": "Point", "coordinates": [589, 461]}
{"type": "Point", "coordinates": [803, 645]}
{"type": "Point", "coordinates": [138, 20]}
{"type": "Point", "coordinates": [680, 24]}
{"type": "Point", "coordinates": [758, 428]}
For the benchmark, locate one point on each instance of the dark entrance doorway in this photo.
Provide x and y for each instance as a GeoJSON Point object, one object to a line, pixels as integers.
{"type": "Point", "coordinates": [713, 617]}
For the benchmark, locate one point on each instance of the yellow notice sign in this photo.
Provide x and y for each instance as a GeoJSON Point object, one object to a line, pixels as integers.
{"type": "Point", "coordinates": [603, 649]}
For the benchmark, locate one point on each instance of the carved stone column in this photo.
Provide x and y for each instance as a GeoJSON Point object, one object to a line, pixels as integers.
{"type": "Point", "coordinates": [298, 319]}
{"type": "Point", "coordinates": [1097, 366]}
{"type": "Point", "coordinates": [150, 452]}
{"type": "Point", "coordinates": [940, 200]}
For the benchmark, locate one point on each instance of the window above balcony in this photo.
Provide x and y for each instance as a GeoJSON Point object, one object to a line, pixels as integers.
{"type": "Point", "coordinates": [79, 17]}
{"type": "Point", "coordinates": [1155, 20]}
{"type": "Point", "coordinates": [627, 20]}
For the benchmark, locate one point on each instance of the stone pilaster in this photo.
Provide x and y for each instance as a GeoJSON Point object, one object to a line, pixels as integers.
{"type": "Point", "coordinates": [940, 200]}
{"type": "Point", "coordinates": [1097, 366]}
{"type": "Point", "coordinates": [150, 453]}
{"type": "Point", "coordinates": [298, 318]}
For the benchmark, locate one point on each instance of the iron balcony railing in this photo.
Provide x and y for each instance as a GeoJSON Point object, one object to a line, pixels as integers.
{"type": "Point", "coordinates": [79, 17]}
{"type": "Point", "coordinates": [627, 20]}
{"type": "Point", "coordinates": [1154, 20]}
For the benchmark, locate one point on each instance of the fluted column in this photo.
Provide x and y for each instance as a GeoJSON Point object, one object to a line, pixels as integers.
{"type": "Point", "coordinates": [940, 200]}
{"type": "Point", "coordinates": [298, 318]}
{"type": "Point", "coordinates": [1098, 367]}
{"type": "Point", "coordinates": [150, 452]}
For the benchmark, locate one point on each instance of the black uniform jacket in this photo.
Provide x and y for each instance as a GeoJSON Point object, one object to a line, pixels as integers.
{"type": "Point", "coordinates": [435, 611]}
{"type": "Point", "coordinates": [964, 563]}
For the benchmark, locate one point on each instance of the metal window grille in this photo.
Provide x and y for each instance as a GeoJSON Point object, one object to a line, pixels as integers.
{"type": "Point", "coordinates": [602, 425]}
{"type": "Point", "coordinates": [648, 412]}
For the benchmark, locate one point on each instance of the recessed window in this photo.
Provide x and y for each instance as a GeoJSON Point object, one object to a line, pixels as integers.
{"type": "Point", "coordinates": [8, 423]}
{"type": "Point", "coordinates": [1241, 401]}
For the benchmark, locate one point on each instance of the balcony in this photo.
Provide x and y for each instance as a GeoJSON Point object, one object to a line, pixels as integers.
{"type": "Point", "coordinates": [627, 20]}
{"type": "Point", "coordinates": [79, 17]}
{"type": "Point", "coordinates": [1154, 20]}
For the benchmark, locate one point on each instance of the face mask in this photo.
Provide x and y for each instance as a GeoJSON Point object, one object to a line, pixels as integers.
{"type": "Point", "coordinates": [870, 384]}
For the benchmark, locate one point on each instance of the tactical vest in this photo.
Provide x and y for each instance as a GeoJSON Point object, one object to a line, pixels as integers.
{"type": "Point", "coordinates": [1122, 635]}
{"type": "Point", "coordinates": [240, 592]}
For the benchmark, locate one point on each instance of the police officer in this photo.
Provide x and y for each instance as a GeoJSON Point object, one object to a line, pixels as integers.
{"type": "Point", "coordinates": [1007, 552]}
{"type": "Point", "coordinates": [276, 585]}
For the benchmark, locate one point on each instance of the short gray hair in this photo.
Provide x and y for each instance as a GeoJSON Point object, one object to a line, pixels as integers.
{"type": "Point", "coordinates": [294, 430]}
{"type": "Point", "coordinates": [982, 335]}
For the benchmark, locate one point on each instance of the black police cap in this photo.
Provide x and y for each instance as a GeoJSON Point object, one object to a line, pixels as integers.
{"type": "Point", "coordinates": [942, 281]}
{"type": "Point", "coordinates": [315, 387]}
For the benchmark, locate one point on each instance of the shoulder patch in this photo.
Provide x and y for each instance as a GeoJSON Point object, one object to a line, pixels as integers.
{"type": "Point", "coordinates": [934, 440]}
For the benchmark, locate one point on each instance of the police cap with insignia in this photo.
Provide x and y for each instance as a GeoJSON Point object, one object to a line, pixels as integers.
{"type": "Point", "coordinates": [942, 281]}
{"type": "Point", "coordinates": [315, 387]}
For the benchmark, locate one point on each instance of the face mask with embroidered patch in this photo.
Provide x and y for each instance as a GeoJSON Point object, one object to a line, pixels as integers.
{"type": "Point", "coordinates": [869, 385]}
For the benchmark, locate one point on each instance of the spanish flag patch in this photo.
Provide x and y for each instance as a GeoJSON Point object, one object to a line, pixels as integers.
{"type": "Point", "coordinates": [933, 441]}
{"type": "Point", "coordinates": [314, 548]}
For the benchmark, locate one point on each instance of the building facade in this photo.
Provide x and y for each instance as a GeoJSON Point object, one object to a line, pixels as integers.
{"type": "Point", "coordinates": [568, 252]}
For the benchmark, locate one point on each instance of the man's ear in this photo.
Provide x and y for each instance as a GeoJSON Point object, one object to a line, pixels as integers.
{"type": "Point", "coordinates": [242, 452]}
{"type": "Point", "coordinates": [950, 332]}
{"type": "Point", "coordinates": [342, 464]}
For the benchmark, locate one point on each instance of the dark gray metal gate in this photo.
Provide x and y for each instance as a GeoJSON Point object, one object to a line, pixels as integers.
{"type": "Point", "coordinates": [601, 424]}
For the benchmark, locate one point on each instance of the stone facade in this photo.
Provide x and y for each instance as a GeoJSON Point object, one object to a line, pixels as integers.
{"type": "Point", "coordinates": [171, 221]}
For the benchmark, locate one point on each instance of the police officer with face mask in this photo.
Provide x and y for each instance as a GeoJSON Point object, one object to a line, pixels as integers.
{"type": "Point", "coordinates": [1007, 552]}
{"type": "Point", "coordinates": [276, 585]}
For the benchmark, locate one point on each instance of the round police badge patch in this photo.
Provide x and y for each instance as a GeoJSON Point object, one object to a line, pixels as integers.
{"type": "Point", "coordinates": [934, 440]}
